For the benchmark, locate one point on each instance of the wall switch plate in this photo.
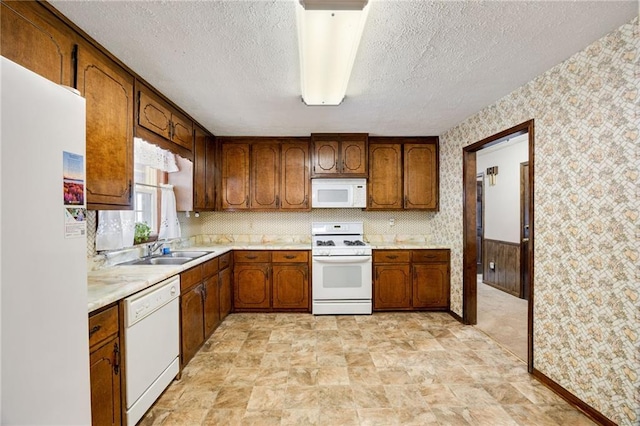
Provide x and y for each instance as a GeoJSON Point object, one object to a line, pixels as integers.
{"type": "Point", "coordinates": [492, 265]}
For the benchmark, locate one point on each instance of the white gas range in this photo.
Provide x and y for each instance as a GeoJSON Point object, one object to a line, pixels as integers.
{"type": "Point", "coordinates": [341, 263]}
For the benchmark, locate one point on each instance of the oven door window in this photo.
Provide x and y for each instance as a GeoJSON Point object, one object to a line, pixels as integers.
{"type": "Point", "coordinates": [337, 278]}
{"type": "Point", "coordinates": [342, 276]}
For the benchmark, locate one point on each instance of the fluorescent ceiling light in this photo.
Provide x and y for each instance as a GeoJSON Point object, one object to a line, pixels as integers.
{"type": "Point", "coordinates": [329, 33]}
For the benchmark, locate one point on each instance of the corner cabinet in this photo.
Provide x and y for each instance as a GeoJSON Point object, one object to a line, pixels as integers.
{"type": "Point", "coordinates": [339, 155]}
{"type": "Point", "coordinates": [411, 280]}
{"type": "Point", "coordinates": [108, 90]}
{"type": "Point", "coordinates": [403, 173]}
{"type": "Point", "coordinates": [104, 367]}
{"type": "Point", "coordinates": [271, 281]}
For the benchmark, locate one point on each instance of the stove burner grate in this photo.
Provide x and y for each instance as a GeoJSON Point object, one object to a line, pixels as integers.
{"type": "Point", "coordinates": [353, 243]}
{"type": "Point", "coordinates": [325, 243]}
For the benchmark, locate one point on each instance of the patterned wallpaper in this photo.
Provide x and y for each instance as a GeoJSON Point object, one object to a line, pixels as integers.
{"type": "Point", "coordinates": [587, 204]}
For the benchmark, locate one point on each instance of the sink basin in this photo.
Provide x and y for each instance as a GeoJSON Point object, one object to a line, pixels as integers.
{"type": "Point", "coordinates": [173, 258]}
{"type": "Point", "coordinates": [164, 260]}
{"type": "Point", "coordinates": [191, 254]}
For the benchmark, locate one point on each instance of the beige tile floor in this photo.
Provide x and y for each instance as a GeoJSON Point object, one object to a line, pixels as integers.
{"type": "Point", "coordinates": [382, 369]}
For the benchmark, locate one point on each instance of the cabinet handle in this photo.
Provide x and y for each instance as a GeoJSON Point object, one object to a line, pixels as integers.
{"type": "Point", "coordinates": [130, 193]}
{"type": "Point", "coordinates": [94, 330]}
{"type": "Point", "coordinates": [251, 257]}
{"type": "Point", "coordinates": [116, 358]}
{"type": "Point", "coordinates": [246, 201]}
{"type": "Point", "coordinates": [405, 202]}
{"type": "Point", "coordinates": [289, 256]}
{"type": "Point", "coordinates": [277, 201]}
{"type": "Point", "coordinates": [392, 256]}
{"type": "Point", "coordinates": [430, 256]}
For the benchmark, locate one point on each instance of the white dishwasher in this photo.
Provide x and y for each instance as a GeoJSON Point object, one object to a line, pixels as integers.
{"type": "Point", "coordinates": [152, 339]}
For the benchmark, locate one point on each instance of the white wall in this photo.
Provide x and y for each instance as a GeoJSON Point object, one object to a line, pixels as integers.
{"type": "Point", "coordinates": [502, 201]}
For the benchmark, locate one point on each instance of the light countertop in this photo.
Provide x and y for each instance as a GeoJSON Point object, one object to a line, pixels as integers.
{"type": "Point", "coordinates": [114, 283]}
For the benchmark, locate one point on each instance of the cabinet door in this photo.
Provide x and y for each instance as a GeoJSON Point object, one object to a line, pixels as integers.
{"type": "Point", "coordinates": [108, 90]}
{"type": "Point", "coordinates": [385, 177]}
{"type": "Point", "coordinates": [431, 285]}
{"type": "Point", "coordinates": [182, 130]}
{"type": "Point", "coordinates": [199, 169]}
{"type": "Point", "coordinates": [325, 155]}
{"type": "Point", "coordinates": [203, 170]}
{"type": "Point", "coordinates": [154, 115]}
{"type": "Point", "coordinates": [265, 176]}
{"type": "Point", "coordinates": [192, 321]}
{"type": "Point", "coordinates": [251, 286]}
{"type": "Point", "coordinates": [105, 384]}
{"type": "Point", "coordinates": [211, 305]}
{"type": "Point", "coordinates": [421, 176]}
{"type": "Point", "coordinates": [224, 283]}
{"type": "Point", "coordinates": [235, 176]}
{"type": "Point", "coordinates": [294, 176]}
{"type": "Point", "coordinates": [353, 154]}
{"type": "Point", "coordinates": [290, 287]}
{"type": "Point", "coordinates": [392, 287]}
{"type": "Point", "coordinates": [34, 38]}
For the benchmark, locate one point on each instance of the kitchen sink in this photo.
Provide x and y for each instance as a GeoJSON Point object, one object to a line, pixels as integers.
{"type": "Point", "coordinates": [191, 254]}
{"type": "Point", "coordinates": [173, 258]}
{"type": "Point", "coordinates": [162, 260]}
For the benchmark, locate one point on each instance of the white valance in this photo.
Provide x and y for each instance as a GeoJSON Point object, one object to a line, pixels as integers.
{"type": "Point", "coordinates": [153, 156]}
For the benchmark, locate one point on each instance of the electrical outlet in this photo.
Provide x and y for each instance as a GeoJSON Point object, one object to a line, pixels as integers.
{"type": "Point", "coordinates": [392, 222]}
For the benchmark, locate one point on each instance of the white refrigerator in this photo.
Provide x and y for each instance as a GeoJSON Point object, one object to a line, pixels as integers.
{"type": "Point", "coordinates": [44, 363]}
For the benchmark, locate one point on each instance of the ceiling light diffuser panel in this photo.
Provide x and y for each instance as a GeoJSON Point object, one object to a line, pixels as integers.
{"type": "Point", "coordinates": [329, 34]}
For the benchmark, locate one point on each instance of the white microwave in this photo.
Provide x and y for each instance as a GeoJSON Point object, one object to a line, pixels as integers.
{"type": "Point", "coordinates": [338, 193]}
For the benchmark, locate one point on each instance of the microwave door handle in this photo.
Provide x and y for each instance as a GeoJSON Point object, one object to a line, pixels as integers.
{"type": "Point", "coordinates": [342, 259]}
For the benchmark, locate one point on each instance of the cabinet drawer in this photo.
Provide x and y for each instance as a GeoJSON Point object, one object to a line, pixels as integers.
{"type": "Point", "coordinates": [209, 268]}
{"type": "Point", "coordinates": [103, 325]}
{"type": "Point", "coordinates": [190, 277]}
{"type": "Point", "coordinates": [391, 256]}
{"type": "Point", "coordinates": [224, 261]}
{"type": "Point", "coordinates": [426, 256]}
{"type": "Point", "coordinates": [290, 256]}
{"type": "Point", "coordinates": [252, 256]}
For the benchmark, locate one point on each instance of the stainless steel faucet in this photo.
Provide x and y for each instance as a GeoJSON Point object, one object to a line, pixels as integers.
{"type": "Point", "coordinates": [154, 246]}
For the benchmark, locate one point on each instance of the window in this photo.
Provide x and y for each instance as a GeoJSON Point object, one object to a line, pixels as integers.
{"type": "Point", "coordinates": [146, 201]}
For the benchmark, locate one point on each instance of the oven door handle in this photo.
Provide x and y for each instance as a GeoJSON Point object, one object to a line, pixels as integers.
{"type": "Point", "coordinates": [342, 259]}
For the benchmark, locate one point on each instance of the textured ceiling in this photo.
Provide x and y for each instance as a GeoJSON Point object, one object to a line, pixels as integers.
{"type": "Point", "coordinates": [422, 67]}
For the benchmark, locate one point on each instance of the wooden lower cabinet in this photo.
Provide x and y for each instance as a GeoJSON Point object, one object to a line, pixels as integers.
{"type": "Point", "coordinates": [431, 285]}
{"type": "Point", "coordinates": [192, 322]}
{"type": "Point", "coordinates": [271, 281]}
{"type": "Point", "coordinates": [211, 305]}
{"type": "Point", "coordinates": [251, 286]}
{"type": "Point", "coordinates": [224, 292]}
{"type": "Point", "coordinates": [104, 367]}
{"type": "Point", "coordinates": [411, 280]}
{"type": "Point", "coordinates": [392, 284]}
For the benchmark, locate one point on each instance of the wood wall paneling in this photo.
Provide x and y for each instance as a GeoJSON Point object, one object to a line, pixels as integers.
{"type": "Point", "coordinates": [506, 259]}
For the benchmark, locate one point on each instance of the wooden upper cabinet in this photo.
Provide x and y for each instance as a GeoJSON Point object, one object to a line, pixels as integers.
{"type": "Point", "coordinates": [234, 176]}
{"type": "Point", "coordinates": [294, 176]}
{"type": "Point", "coordinates": [275, 172]}
{"type": "Point", "coordinates": [158, 117]}
{"type": "Point", "coordinates": [108, 90]}
{"type": "Point", "coordinates": [204, 168]}
{"type": "Point", "coordinates": [34, 38]}
{"type": "Point", "coordinates": [385, 176]}
{"type": "Point", "coordinates": [265, 175]}
{"type": "Point", "coordinates": [339, 155]}
{"type": "Point", "coordinates": [421, 176]}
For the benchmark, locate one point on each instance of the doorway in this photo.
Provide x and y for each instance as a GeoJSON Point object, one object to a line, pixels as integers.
{"type": "Point", "coordinates": [470, 228]}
